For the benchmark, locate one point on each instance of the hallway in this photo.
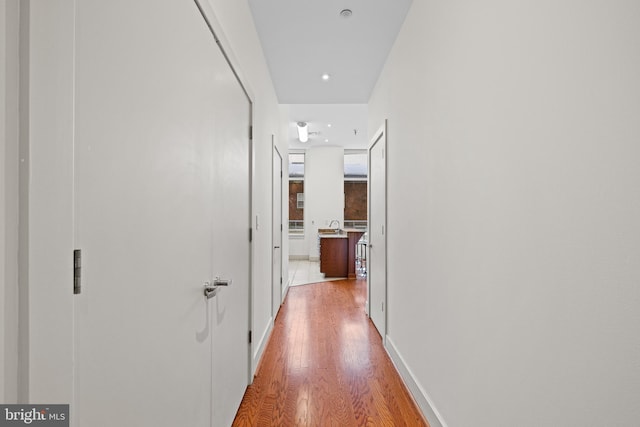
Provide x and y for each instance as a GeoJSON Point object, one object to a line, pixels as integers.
{"type": "Point", "coordinates": [143, 146]}
{"type": "Point", "coordinates": [325, 365]}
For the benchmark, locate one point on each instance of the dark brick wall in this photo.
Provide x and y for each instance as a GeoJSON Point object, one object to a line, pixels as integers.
{"type": "Point", "coordinates": [295, 187]}
{"type": "Point", "coordinates": [355, 193]}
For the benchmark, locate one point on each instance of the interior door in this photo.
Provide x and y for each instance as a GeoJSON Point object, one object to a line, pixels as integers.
{"type": "Point", "coordinates": [231, 248]}
{"type": "Point", "coordinates": [161, 206]}
{"type": "Point", "coordinates": [276, 280]}
{"type": "Point", "coordinates": [377, 256]}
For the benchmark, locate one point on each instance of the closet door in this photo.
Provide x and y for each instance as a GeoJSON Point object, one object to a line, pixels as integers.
{"type": "Point", "coordinates": [161, 207]}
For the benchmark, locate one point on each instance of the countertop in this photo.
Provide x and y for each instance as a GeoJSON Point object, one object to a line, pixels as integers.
{"type": "Point", "coordinates": [342, 235]}
{"type": "Point", "coordinates": [333, 236]}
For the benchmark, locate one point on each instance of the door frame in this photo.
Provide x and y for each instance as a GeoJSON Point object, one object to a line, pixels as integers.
{"type": "Point", "coordinates": [380, 136]}
{"type": "Point", "coordinates": [276, 297]}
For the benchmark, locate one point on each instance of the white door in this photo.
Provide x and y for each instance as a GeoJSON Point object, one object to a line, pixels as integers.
{"type": "Point", "coordinates": [377, 256]}
{"type": "Point", "coordinates": [161, 206]}
{"type": "Point", "coordinates": [276, 268]}
{"type": "Point", "coordinates": [231, 248]}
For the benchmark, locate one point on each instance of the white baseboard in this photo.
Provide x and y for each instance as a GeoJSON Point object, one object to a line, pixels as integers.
{"type": "Point", "coordinates": [298, 257]}
{"type": "Point", "coordinates": [260, 346]}
{"type": "Point", "coordinates": [314, 258]}
{"type": "Point", "coordinates": [421, 397]}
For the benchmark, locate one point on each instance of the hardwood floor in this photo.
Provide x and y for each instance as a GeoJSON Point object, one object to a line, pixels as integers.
{"type": "Point", "coordinates": [325, 366]}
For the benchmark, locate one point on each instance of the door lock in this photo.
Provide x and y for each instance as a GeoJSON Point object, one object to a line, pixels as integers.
{"type": "Point", "coordinates": [211, 288]}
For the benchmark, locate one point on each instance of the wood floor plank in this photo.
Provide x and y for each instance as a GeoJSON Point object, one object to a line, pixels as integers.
{"type": "Point", "coordinates": [325, 365]}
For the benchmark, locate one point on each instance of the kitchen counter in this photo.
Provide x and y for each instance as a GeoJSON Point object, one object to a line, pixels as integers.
{"type": "Point", "coordinates": [343, 234]}
{"type": "Point", "coordinates": [333, 236]}
{"type": "Point", "coordinates": [338, 252]}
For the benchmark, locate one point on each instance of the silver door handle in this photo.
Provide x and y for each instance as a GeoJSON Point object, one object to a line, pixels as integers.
{"type": "Point", "coordinates": [211, 288]}
{"type": "Point", "coordinates": [276, 247]}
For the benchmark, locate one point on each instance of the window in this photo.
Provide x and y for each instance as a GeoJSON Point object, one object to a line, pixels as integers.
{"type": "Point", "coordinates": [296, 194]}
{"type": "Point", "coordinates": [355, 165]}
{"type": "Point", "coordinates": [296, 165]}
{"type": "Point", "coordinates": [355, 189]}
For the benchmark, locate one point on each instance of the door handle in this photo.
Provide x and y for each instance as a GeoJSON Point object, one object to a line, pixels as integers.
{"type": "Point", "coordinates": [211, 288]}
{"type": "Point", "coordinates": [276, 247]}
{"type": "Point", "coordinates": [370, 245]}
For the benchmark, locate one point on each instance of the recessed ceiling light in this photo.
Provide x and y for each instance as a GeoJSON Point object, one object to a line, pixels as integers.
{"type": "Point", "coordinates": [326, 140]}
{"type": "Point", "coordinates": [345, 13]}
{"type": "Point", "coordinates": [329, 125]}
{"type": "Point", "coordinates": [326, 77]}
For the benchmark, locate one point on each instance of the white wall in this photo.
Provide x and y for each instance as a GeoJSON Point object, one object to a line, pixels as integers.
{"type": "Point", "coordinates": [323, 192]}
{"type": "Point", "coordinates": [298, 247]}
{"type": "Point", "coordinates": [236, 23]}
{"type": "Point", "coordinates": [9, 18]}
{"type": "Point", "coordinates": [513, 276]}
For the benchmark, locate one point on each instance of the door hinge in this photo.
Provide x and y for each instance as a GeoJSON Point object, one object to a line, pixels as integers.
{"type": "Point", "coordinates": [281, 229]}
{"type": "Point", "coordinates": [382, 307]}
{"type": "Point", "coordinates": [77, 271]}
{"type": "Point", "coordinates": [280, 174]}
{"type": "Point", "coordinates": [281, 280]}
{"type": "Point", "coordinates": [249, 337]}
{"type": "Point", "coordinates": [250, 132]}
{"type": "Point", "coordinates": [251, 234]}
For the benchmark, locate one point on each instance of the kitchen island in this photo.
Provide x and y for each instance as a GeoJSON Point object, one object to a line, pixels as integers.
{"type": "Point", "coordinates": [338, 252]}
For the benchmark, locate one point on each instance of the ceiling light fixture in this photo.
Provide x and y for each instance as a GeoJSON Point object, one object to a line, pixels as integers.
{"type": "Point", "coordinates": [329, 125]}
{"type": "Point", "coordinates": [303, 131]}
{"type": "Point", "coordinates": [326, 77]}
{"type": "Point", "coordinates": [345, 13]}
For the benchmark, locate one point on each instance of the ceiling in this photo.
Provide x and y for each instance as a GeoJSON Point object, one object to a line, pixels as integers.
{"type": "Point", "coordinates": [343, 125]}
{"type": "Point", "coordinates": [303, 39]}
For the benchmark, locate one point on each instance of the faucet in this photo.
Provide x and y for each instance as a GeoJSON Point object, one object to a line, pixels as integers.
{"type": "Point", "coordinates": [336, 221]}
